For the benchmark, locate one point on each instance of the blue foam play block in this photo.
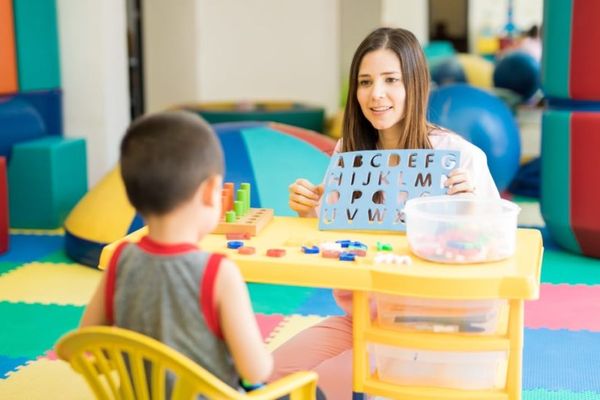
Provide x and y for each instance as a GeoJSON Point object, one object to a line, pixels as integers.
{"type": "Point", "coordinates": [19, 122]}
{"type": "Point", "coordinates": [48, 104]}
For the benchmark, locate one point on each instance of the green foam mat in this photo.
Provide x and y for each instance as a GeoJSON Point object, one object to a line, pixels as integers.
{"type": "Point", "coordinates": [29, 330]}
{"type": "Point", "coordinates": [277, 299]}
{"type": "Point", "coordinates": [7, 266]}
{"type": "Point", "coordinates": [59, 257]}
{"type": "Point", "coordinates": [562, 267]}
{"type": "Point", "coordinates": [541, 394]}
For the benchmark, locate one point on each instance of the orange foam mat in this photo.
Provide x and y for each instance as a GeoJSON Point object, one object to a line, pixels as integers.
{"type": "Point", "coordinates": [49, 283]}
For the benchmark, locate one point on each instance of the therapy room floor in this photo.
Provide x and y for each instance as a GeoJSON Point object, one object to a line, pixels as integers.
{"type": "Point", "coordinates": [42, 295]}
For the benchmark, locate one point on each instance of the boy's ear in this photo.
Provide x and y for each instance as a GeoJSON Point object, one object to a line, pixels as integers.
{"type": "Point", "coordinates": [211, 190]}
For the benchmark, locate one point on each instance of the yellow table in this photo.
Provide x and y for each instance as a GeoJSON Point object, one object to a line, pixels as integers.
{"type": "Point", "coordinates": [515, 279]}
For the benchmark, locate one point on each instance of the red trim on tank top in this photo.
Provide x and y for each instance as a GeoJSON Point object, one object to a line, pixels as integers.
{"type": "Point", "coordinates": [111, 281]}
{"type": "Point", "coordinates": [207, 294]}
{"type": "Point", "coordinates": [153, 247]}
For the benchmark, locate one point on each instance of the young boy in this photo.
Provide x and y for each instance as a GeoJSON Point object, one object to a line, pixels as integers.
{"type": "Point", "coordinates": [165, 286]}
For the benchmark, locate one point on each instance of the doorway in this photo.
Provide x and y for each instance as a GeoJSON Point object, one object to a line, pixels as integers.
{"type": "Point", "coordinates": [135, 58]}
{"type": "Point", "coordinates": [448, 21]}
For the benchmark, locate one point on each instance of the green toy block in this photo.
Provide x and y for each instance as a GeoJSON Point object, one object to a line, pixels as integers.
{"type": "Point", "coordinates": [36, 34]}
{"type": "Point", "coordinates": [46, 179]}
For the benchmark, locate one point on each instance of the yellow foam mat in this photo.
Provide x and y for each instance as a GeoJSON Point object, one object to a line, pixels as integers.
{"type": "Point", "coordinates": [49, 283]}
{"type": "Point", "coordinates": [289, 327]}
{"type": "Point", "coordinates": [45, 379]}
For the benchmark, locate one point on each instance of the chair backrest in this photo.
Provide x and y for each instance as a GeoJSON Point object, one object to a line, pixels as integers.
{"type": "Point", "coordinates": [122, 364]}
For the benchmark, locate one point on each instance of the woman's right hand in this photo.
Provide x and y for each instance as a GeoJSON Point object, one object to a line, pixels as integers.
{"type": "Point", "coordinates": [304, 197]}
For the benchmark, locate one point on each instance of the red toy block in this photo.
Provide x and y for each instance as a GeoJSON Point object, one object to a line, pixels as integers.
{"type": "Point", "coordinates": [330, 253]}
{"type": "Point", "coordinates": [238, 236]}
{"type": "Point", "coordinates": [246, 250]}
{"type": "Point", "coordinates": [4, 233]}
{"type": "Point", "coordinates": [275, 252]}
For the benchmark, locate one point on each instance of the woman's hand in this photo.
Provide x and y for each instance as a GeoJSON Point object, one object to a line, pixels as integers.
{"type": "Point", "coordinates": [459, 181]}
{"type": "Point", "coordinates": [304, 197]}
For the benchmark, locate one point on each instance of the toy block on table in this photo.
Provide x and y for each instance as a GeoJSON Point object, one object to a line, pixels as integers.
{"type": "Point", "coordinates": [47, 177]}
{"type": "Point", "coordinates": [237, 217]}
{"type": "Point", "coordinates": [251, 223]}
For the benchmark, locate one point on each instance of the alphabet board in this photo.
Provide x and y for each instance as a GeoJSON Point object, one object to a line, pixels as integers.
{"type": "Point", "coordinates": [367, 190]}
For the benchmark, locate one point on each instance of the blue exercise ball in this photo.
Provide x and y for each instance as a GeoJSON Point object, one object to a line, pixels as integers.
{"type": "Point", "coordinates": [447, 70]}
{"type": "Point", "coordinates": [484, 120]}
{"type": "Point", "coordinates": [519, 72]}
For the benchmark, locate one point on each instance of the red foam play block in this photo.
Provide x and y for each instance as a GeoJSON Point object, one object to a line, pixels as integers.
{"type": "Point", "coordinates": [585, 190]}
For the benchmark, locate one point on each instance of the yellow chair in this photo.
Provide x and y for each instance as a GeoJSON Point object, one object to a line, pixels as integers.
{"type": "Point", "coordinates": [98, 354]}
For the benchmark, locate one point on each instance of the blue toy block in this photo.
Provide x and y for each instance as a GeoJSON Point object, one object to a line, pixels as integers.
{"type": "Point", "coordinates": [46, 179]}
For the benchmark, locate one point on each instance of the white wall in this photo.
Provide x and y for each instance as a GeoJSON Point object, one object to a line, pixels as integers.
{"type": "Point", "coordinates": [360, 17]}
{"type": "Point", "coordinates": [269, 50]}
{"type": "Point", "coordinates": [171, 47]}
{"type": "Point", "coordinates": [407, 14]}
{"type": "Point", "coordinates": [93, 54]}
{"type": "Point", "coordinates": [357, 19]}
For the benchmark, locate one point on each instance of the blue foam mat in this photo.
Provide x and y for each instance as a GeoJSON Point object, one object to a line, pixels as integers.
{"type": "Point", "coordinates": [27, 248]}
{"type": "Point", "coordinates": [8, 364]}
{"type": "Point", "coordinates": [561, 360]}
{"type": "Point", "coordinates": [320, 303]}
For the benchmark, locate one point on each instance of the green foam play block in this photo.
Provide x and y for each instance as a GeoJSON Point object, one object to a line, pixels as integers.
{"type": "Point", "coordinates": [46, 179]}
{"type": "Point", "coordinates": [36, 34]}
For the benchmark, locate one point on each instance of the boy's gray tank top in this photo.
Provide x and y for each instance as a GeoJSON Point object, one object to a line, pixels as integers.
{"type": "Point", "coordinates": [159, 295]}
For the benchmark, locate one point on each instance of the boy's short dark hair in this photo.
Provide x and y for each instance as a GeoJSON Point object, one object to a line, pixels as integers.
{"type": "Point", "coordinates": [165, 157]}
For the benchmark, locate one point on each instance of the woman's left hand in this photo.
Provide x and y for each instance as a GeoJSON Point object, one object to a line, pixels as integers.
{"type": "Point", "coordinates": [459, 181]}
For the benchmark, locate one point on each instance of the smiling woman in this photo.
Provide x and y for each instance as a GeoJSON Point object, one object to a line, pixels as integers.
{"type": "Point", "coordinates": [386, 109]}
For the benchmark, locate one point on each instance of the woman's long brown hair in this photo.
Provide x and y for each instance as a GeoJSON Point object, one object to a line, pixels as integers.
{"type": "Point", "coordinates": [358, 133]}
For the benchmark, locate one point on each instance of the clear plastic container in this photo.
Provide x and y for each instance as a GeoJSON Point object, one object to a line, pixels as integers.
{"type": "Point", "coordinates": [483, 370]}
{"type": "Point", "coordinates": [460, 229]}
{"type": "Point", "coordinates": [480, 317]}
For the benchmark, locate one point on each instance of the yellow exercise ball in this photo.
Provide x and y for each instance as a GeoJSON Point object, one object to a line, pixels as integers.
{"type": "Point", "coordinates": [478, 71]}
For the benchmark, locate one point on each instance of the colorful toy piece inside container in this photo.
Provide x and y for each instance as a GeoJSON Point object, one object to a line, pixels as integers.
{"type": "Point", "coordinates": [459, 230]}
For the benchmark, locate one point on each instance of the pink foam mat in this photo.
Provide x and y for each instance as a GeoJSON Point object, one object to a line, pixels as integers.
{"type": "Point", "coordinates": [268, 323]}
{"type": "Point", "coordinates": [571, 307]}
